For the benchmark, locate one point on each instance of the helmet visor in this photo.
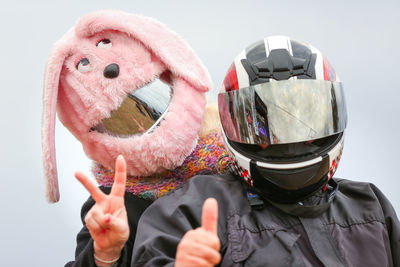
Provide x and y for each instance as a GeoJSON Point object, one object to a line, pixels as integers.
{"type": "Point", "coordinates": [281, 112]}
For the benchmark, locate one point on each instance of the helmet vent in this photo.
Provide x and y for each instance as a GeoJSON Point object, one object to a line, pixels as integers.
{"type": "Point", "coordinates": [279, 65]}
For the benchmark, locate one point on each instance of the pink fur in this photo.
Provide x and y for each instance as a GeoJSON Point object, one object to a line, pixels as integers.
{"type": "Point", "coordinates": [144, 49]}
{"type": "Point", "coordinates": [165, 44]}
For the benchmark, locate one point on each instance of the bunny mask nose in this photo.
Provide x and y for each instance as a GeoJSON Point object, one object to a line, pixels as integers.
{"type": "Point", "coordinates": [111, 71]}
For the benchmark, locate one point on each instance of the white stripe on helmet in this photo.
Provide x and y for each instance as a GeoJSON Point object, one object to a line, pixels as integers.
{"type": "Point", "coordinates": [319, 67]}
{"type": "Point", "coordinates": [278, 42]}
{"type": "Point", "coordinates": [242, 77]}
{"type": "Point", "coordinates": [289, 166]}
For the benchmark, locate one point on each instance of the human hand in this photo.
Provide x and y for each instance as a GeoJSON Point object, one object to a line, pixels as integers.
{"type": "Point", "coordinates": [107, 220]}
{"type": "Point", "coordinates": [200, 247]}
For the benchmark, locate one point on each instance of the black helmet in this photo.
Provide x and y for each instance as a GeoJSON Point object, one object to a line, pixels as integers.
{"type": "Point", "coordinates": [283, 115]}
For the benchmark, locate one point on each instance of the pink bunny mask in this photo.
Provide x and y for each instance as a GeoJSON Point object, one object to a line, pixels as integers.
{"type": "Point", "coordinates": [144, 50]}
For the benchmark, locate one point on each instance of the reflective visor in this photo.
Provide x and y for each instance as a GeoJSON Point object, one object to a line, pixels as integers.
{"type": "Point", "coordinates": [140, 112]}
{"type": "Point", "coordinates": [281, 112]}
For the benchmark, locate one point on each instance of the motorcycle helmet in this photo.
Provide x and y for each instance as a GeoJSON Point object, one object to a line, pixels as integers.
{"type": "Point", "coordinates": [283, 117]}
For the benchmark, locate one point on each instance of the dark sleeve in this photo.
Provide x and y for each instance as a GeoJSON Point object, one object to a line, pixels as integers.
{"type": "Point", "coordinates": [165, 222]}
{"type": "Point", "coordinates": [84, 250]}
{"type": "Point", "coordinates": [392, 224]}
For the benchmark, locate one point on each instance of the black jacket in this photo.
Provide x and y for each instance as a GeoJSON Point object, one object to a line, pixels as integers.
{"type": "Point", "coordinates": [353, 224]}
{"type": "Point", "coordinates": [84, 249]}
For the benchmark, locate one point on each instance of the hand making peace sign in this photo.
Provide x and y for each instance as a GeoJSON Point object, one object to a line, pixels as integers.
{"type": "Point", "coordinates": [107, 220]}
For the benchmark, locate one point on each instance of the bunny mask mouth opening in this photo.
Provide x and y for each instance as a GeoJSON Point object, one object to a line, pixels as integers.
{"type": "Point", "coordinates": [140, 112]}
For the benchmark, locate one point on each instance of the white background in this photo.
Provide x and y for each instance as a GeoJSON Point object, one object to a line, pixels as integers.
{"type": "Point", "coordinates": [360, 38]}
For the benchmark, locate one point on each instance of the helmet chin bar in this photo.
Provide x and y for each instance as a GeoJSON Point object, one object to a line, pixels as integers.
{"type": "Point", "coordinates": [278, 182]}
{"type": "Point", "coordinates": [289, 185]}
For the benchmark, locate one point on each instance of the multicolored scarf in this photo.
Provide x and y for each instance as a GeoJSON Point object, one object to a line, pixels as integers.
{"type": "Point", "coordinates": [208, 157]}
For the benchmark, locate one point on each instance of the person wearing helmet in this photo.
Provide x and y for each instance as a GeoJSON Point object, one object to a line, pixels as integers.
{"type": "Point", "coordinates": [283, 116]}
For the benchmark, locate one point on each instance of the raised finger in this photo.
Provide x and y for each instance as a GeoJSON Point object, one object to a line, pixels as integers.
{"type": "Point", "coordinates": [94, 191]}
{"type": "Point", "coordinates": [209, 216]}
{"type": "Point", "coordinates": [118, 188]}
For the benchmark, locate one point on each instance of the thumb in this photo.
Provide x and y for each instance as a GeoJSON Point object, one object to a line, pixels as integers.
{"type": "Point", "coordinates": [209, 217]}
{"type": "Point", "coordinates": [119, 225]}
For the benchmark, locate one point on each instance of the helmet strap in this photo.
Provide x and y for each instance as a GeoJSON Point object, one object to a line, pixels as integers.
{"type": "Point", "coordinates": [306, 210]}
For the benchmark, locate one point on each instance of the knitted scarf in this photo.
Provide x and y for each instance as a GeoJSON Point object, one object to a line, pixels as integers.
{"type": "Point", "coordinates": [208, 157]}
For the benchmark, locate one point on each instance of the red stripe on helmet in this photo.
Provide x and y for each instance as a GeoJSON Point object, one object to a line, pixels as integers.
{"type": "Point", "coordinates": [329, 71]}
{"type": "Point", "coordinates": [231, 82]}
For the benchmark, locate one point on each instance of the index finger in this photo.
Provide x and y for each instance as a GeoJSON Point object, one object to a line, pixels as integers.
{"type": "Point", "coordinates": [209, 216]}
{"type": "Point", "coordinates": [94, 191]}
{"type": "Point", "coordinates": [118, 188]}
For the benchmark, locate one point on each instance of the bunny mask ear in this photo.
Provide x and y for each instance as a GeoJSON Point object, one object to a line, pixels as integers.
{"type": "Point", "coordinates": [54, 65]}
{"type": "Point", "coordinates": [82, 102]}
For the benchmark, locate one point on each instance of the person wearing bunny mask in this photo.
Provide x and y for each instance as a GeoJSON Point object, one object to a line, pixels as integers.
{"type": "Point", "coordinates": [283, 116]}
{"type": "Point", "coordinates": [125, 84]}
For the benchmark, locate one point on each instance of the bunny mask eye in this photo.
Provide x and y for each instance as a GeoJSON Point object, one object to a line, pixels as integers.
{"type": "Point", "coordinates": [104, 43]}
{"type": "Point", "coordinates": [83, 65]}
